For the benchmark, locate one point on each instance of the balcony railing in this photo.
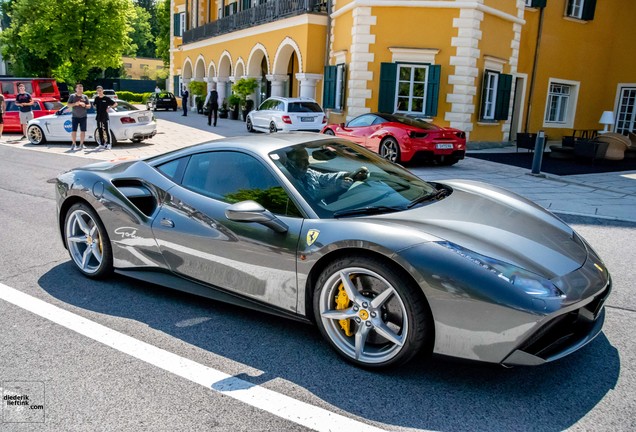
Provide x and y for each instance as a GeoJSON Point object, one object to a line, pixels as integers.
{"type": "Point", "coordinates": [270, 11]}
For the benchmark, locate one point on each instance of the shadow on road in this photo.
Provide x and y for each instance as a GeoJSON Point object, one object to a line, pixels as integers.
{"type": "Point", "coordinates": [436, 394]}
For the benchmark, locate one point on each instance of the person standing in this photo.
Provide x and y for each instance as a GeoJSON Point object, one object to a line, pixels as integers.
{"type": "Point", "coordinates": [157, 89]}
{"type": "Point", "coordinates": [2, 108]}
{"type": "Point", "coordinates": [102, 103]}
{"type": "Point", "coordinates": [25, 102]}
{"type": "Point", "coordinates": [212, 101]}
{"type": "Point", "coordinates": [79, 103]}
{"type": "Point", "coordinates": [184, 100]}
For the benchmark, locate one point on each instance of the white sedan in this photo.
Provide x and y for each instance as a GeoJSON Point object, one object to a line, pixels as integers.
{"type": "Point", "coordinates": [126, 123]}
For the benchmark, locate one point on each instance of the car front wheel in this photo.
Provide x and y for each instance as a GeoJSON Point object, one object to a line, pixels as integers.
{"type": "Point", "coordinates": [249, 125]}
{"type": "Point", "coordinates": [87, 241]}
{"type": "Point", "coordinates": [370, 314]}
{"type": "Point", "coordinates": [390, 149]}
{"type": "Point", "coordinates": [36, 135]}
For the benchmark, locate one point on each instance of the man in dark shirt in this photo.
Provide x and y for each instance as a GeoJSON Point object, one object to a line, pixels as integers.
{"type": "Point", "coordinates": [25, 102]}
{"type": "Point", "coordinates": [212, 101]}
{"type": "Point", "coordinates": [101, 104]}
{"type": "Point", "coordinates": [79, 104]}
{"type": "Point", "coordinates": [184, 100]}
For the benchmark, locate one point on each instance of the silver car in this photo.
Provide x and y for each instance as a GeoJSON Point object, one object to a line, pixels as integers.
{"type": "Point", "coordinates": [286, 114]}
{"type": "Point", "coordinates": [318, 229]}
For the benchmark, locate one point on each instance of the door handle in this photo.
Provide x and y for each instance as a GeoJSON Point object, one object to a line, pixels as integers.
{"type": "Point", "coordinates": [167, 223]}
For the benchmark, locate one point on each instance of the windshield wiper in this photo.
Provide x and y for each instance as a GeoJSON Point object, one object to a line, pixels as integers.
{"type": "Point", "coordinates": [433, 196]}
{"type": "Point", "coordinates": [370, 210]}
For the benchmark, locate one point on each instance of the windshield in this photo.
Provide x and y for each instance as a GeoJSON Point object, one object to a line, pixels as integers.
{"type": "Point", "coordinates": [341, 179]}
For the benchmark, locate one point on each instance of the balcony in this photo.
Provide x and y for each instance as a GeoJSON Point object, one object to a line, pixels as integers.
{"type": "Point", "coordinates": [272, 10]}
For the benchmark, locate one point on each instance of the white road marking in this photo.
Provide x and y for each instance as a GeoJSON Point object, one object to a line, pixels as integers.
{"type": "Point", "coordinates": [270, 401]}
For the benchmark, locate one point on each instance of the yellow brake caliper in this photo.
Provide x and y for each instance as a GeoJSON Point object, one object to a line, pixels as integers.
{"type": "Point", "coordinates": [342, 302]}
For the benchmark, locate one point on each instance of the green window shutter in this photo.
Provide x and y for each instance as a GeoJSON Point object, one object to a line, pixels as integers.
{"type": "Point", "coordinates": [432, 91]}
{"type": "Point", "coordinates": [502, 105]}
{"type": "Point", "coordinates": [329, 88]}
{"type": "Point", "coordinates": [589, 7]}
{"type": "Point", "coordinates": [175, 84]}
{"type": "Point", "coordinates": [386, 94]}
{"type": "Point", "coordinates": [538, 3]}
{"type": "Point", "coordinates": [482, 104]}
{"type": "Point", "coordinates": [246, 4]}
{"type": "Point", "coordinates": [177, 21]}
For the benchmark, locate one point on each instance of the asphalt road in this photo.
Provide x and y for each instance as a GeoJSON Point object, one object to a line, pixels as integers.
{"type": "Point", "coordinates": [92, 385]}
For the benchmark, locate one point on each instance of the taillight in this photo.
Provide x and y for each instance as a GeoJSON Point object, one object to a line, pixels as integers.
{"type": "Point", "coordinates": [324, 120]}
{"type": "Point", "coordinates": [127, 120]}
{"type": "Point", "coordinates": [286, 119]}
{"type": "Point", "coordinates": [414, 134]}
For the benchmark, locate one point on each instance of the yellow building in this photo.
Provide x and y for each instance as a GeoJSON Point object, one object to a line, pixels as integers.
{"type": "Point", "coordinates": [141, 67]}
{"type": "Point", "coordinates": [489, 67]}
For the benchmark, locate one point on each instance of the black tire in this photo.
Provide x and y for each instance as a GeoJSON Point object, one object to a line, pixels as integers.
{"type": "Point", "coordinates": [174, 108]}
{"type": "Point", "coordinates": [136, 140]}
{"type": "Point", "coordinates": [90, 250]}
{"type": "Point", "coordinates": [385, 325]}
{"type": "Point", "coordinates": [249, 125]}
{"type": "Point", "coordinates": [272, 127]}
{"type": "Point", "coordinates": [329, 132]}
{"type": "Point", "coordinates": [390, 149]}
{"type": "Point", "coordinates": [35, 134]}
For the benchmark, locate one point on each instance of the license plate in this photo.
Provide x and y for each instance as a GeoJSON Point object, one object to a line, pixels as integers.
{"type": "Point", "coordinates": [142, 119]}
{"type": "Point", "coordinates": [443, 146]}
{"type": "Point", "coordinates": [166, 100]}
{"type": "Point", "coordinates": [307, 119]}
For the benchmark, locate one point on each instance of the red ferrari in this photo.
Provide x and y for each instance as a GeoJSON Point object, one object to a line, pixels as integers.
{"type": "Point", "coordinates": [41, 106]}
{"type": "Point", "coordinates": [400, 138]}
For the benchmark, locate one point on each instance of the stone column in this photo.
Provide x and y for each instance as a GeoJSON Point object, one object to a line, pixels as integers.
{"type": "Point", "coordinates": [308, 84]}
{"type": "Point", "coordinates": [278, 84]}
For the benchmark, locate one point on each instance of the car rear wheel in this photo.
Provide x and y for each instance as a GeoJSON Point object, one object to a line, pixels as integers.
{"type": "Point", "coordinates": [370, 314]}
{"type": "Point", "coordinates": [249, 125]}
{"type": "Point", "coordinates": [36, 135]}
{"type": "Point", "coordinates": [329, 132]}
{"type": "Point", "coordinates": [390, 149]}
{"type": "Point", "coordinates": [87, 241]}
{"type": "Point", "coordinates": [272, 127]}
{"type": "Point", "coordinates": [174, 108]}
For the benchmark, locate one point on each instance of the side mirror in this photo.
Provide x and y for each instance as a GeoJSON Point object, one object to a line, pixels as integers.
{"type": "Point", "coordinates": [251, 211]}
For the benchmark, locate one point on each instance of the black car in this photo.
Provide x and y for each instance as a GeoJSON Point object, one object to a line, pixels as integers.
{"type": "Point", "coordinates": [162, 100]}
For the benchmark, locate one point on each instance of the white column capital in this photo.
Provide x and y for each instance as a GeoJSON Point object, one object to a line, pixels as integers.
{"type": "Point", "coordinates": [277, 78]}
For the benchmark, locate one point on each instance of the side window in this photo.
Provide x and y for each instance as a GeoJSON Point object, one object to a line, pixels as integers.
{"type": "Point", "coordinates": [36, 106]}
{"type": "Point", "coordinates": [174, 169]}
{"type": "Point", "coordinates": [365, 120]}
{"type": "Point", "coordinates": [11, 106]}
{"type": "Point", "coordinates": [7, 88]}
{"type": "Point", "coordinates": [233, 177]}
{"type": "Point", "coordinates": [581, 9]}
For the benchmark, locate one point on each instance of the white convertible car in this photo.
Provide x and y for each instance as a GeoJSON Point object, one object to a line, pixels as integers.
{"type": "Point", "coordinates": [126, 123]}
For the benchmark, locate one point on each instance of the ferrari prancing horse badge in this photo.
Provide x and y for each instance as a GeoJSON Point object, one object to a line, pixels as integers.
{"type": "Point", "coordinates": [312, 236]}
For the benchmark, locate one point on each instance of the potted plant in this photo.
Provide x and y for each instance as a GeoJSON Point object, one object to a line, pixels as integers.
{"type": "Point", "coordinates": [198, 89]}
{"type": "Point", "coordinates": [223, 109]}
{"type": "Point", "coordinates": [244, 88]}
{"type": "Point", "coordinates": [235, 103]}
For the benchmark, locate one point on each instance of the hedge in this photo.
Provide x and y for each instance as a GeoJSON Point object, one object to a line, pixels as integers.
{"type": "Point", "coordinates": [139, 98]}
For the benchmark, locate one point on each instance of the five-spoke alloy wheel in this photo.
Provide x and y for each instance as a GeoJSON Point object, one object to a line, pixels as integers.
{"type": "Point", "coordinates": [87, 241]}
{"type": "Point", "coordinates": [369, 314]}
{"type": "Point", "coordinates": [390, 149]}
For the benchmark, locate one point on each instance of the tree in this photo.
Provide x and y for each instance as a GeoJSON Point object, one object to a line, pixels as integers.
{"type": "Point", "coordinates": [68, 37]}
{"type": "Point", "coordinates": [163, 38]}
{"type": "Point", "coordinates": [143, 42]}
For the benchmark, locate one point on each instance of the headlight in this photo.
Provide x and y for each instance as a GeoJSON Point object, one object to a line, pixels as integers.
{"type": "Point", "coordinates": [530, 283]}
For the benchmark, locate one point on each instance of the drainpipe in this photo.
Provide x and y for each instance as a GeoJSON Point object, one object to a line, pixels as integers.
{"type": "Point", "coordinates": [534, 70]}
{"type": "Point", "coordinates": [328, 38]}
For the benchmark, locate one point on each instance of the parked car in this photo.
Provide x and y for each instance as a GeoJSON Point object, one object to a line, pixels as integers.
{"type": "Point", "coordinates": [127, 122]}
{"type": "Point", "coordinates": [401, 138]}
{"type": "Point", "coordinates": [162, 100]}
{"type": "Point", "coordinates": [286, 114]}
{"type": "Point", "coordinates": [36, 87]}
{"type": "Point", "coordinates": [41, 107]}
{"type": "Point", "coordinates": [110, 93]}
{"type": "Point", "coordinates": [386, 264]}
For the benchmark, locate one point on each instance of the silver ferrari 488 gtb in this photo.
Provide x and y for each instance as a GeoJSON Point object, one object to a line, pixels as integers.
{"type": "Point", "coordinates": [321, 230]}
